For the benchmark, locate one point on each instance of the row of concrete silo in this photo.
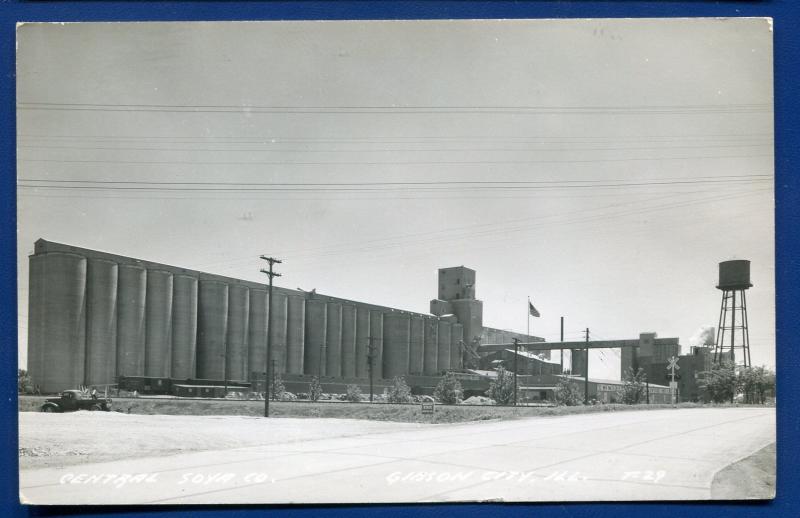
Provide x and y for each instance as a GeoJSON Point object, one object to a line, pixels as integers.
{"type": "Point", "coordinates": [93, 319]}
{"type": "Point", "coordinates": [417, 344]}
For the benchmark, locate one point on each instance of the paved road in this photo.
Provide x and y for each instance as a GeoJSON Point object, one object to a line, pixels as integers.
{"type": "Point", "coordinates": [660, 454]}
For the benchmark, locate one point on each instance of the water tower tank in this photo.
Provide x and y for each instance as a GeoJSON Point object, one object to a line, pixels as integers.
{"type": "Point", "coordinates": [734, 275]}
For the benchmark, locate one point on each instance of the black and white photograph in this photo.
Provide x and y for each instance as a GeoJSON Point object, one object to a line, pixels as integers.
{"type": "Point", "coordinates": [419, 261]}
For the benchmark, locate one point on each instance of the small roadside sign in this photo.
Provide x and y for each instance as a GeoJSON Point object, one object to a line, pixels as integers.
{"type": "Point", "coordinates": [428, 406]}
{"type": "Point", "coordinates": [673, 385]}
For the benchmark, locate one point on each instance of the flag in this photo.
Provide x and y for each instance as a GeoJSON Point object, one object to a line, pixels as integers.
{"type": "Point", "coordinates": [532, 310]}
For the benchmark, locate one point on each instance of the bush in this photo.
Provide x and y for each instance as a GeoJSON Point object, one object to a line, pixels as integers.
{"type": "Point", "coordinates": [501, 389]}
{"type": "Point", "coordinates": [352, 393]}
{"type": "Point", "coordinates": [756, 383]}
{"type": "Point", "coordinates": [24, 382]}
{"type": "Point", "coordinates": [278, 389]}
{"type": "Point", "coordinates": [634, 386]}
{"type": "Point", "coordinates": [720, 384]}
{"type": "Point", "coordinates": [314, 389]}
{"type": "Point", "coordinates": [448, 390]}
{"type": "Point", "coordinates": [399, 392]}
{"type": "Point", "coordinates": [567, 393]}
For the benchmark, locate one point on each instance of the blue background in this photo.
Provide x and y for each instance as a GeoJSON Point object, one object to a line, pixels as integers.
{"type": "Point", "coordinates": [787, 71]}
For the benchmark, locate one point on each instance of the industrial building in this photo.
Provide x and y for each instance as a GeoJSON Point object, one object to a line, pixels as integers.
{"type": "Point", "coordinates": [95, 316]}
{"type": "Point", "coordinates": [542, 387]}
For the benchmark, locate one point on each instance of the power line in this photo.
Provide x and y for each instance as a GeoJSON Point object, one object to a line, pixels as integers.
{"type": "Point", "coordinates": [447, 232]}
{"type": "Point", "coordinates": [462, 240]}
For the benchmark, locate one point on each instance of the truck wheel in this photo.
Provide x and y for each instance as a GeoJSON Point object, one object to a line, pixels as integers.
{"type": "Point", "coordinates": [48, 409]}
{"type": "Point", "coordinates": [94, 408]}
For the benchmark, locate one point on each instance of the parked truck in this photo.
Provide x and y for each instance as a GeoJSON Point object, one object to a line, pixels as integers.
{"type": "Point", "coordinates": [72, 400]}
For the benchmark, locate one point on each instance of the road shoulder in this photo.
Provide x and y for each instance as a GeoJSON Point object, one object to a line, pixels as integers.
{"type": "Point", "coordinates": [752, 478]}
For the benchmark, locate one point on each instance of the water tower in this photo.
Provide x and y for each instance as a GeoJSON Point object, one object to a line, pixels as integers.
{"type": "Point", "coordinates": [733, 338]}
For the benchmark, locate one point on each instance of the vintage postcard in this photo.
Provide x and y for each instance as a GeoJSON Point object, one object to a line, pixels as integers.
{"type": "Point", "coordinates": [396, 261]}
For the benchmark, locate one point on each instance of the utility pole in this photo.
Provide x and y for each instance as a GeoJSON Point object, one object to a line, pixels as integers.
{"type": "Point", "coordinates": [586, 366]}
{"type": "Point", "coordinates": [516, 349]}
{"type": "Point", "coordinates": [272, 261]}
{"type": "Point", "coordinates": [370, 360]}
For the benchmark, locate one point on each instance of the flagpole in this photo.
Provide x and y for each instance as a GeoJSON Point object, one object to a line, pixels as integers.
{"type": "Point", "coordinates": [528, 312]}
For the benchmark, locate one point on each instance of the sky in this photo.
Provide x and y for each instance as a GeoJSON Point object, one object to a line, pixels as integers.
{"type": "Point", "coordinates": [602, 168]}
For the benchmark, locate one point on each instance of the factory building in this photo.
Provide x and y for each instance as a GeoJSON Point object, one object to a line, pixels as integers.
{"type": "Point", "coordinates": [95, 316]}
{"type": "Point", "coordinates": [653, 357]}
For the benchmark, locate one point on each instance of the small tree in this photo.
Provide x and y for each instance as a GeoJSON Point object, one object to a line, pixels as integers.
{"type": "Point", "coordinates": [314, 389]}
{"type": "Point", "coordinates": [634, 386]}
{"type": "Point", "coordinates": [278, 388]}
{"type": "Point", "coordinates": [448, 390]}
{"type": "Point", "coordinates": [399, 392]}
{"type": "Point", "coordinates": [24, 382]}
{"type": "Point", "coordinates": [501, 389]}
{"type": "Point", "coordinates": [720, 384]}
{"type": "Point", "coordinates": [755, 383]}
{"type": "Point", "coordinates": [352, 393]}
{"type": "Point", "coordinates": [567, 393]}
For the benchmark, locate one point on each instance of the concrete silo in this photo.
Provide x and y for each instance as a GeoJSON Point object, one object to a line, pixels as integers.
{"type": "Point", "coordinates": [257, 335]}
{"type": "Point", "coordinates": [443, 347]}
{"type": "Point", "coordinates": [212, 329]}
{"type": "Point", "coordinates": [158, 324]}
{"type": "Point", "coordinates": [313, 356]}
{"type": "Point", "coordinates": [376, 337]}
{"type": "Point", "coordinates": [431, 346]}
{"type": "Point", "coordinates": [396, 335]}
{"type": "Point", "coordinates": [295, 334]}
{"type": "Point", "coordinates": [362, 341]}
{"type": "Point", "coordinates": [416, 344]}
{"type": "Point", "coordinates": [57, 321]}
{"type": "Point", "coordinates": [184, 327]}
{"type": "Point", "coordinates": [348, 341]}
{"type": "Point", "coordinates": [456, 335]}
{"type": "Point", "coordinates": [277, 329]}
{"type": "Point", "coordinates": [236, 361]}
{"type": "Point", "coordinates": [333, 342]}
{"type": "Point", "coordinates": [101, 322]}
{"type": "Point", "coordinates": [131, 291]}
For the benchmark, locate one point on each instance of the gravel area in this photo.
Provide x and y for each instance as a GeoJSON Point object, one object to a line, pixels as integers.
{"type": "Point", "coordinates": [752, 478]}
